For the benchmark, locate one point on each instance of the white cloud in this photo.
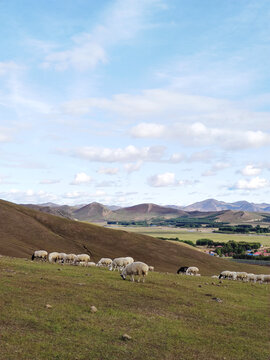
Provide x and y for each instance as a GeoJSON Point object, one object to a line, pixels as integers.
{"type": "Point", "coordinates": [166, 179]}
{"type": "Point", "coordinates": [197, 134]}
{"type": "Point", "coordinates": [251, 170]}
{"type": "Point", "coordinates": [132, 167]}
{"type": "Point", "coordinates": [127, 154]}
{"type": "Point", "coordinates": [49, 181]}
{"type": "Point", "coordinates": [81, 178]}
{"type": "Point", "coordinates": [148, 130]}
{"type": "Point", "coordinates": [108, 171]}
{"type": "Point", "coordinates": [252, 184]}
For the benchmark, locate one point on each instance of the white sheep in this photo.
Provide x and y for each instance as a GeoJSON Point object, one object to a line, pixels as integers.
{"type": "Point", "coordinates": [40, 254]}
{"type": "Point", "coordinates": [70, 258]}
{"type": "Point", "coordinates": [104, 262]}
{"type": "Point", "coordinates": [82, 257]}
{"type": "Point", "coordinates": [62, 257]}
{"type": "Point", "coordinates": [266, 279]}
{"type": "Point", "coordinates": [260, 278]}
{"type": "Point", "coordinates": [192, 270]}
{"type": "Point", "coordinates": [251, 277]}
{"type": "Point", "coordinates": [137, 268]}
{"type": "Point", "coordinates": [90, 264]}
{"type": "Point", "coordinates": [120, 263]}
{"type": "Point", "coordinates": [241, 276]}
{"type": "Point", "coordinates": [53, 257]}
{"type": "Point", "coordinates": [224, 274]}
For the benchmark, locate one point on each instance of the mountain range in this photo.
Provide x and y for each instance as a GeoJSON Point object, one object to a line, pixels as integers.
{"type": "Point", "coordinates": [239, 211]}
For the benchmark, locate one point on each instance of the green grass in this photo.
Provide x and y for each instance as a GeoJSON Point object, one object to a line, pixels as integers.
{"type": "Point", "coordinates": [168, 317]}
{"type": "Point", "coordinates": [195, 235]}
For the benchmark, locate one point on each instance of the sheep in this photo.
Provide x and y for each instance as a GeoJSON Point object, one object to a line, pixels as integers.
{"type": "Point", "coordinates": [104, 262]}
{"type": "Point", "coordinates": [182, 270]}
{"type": "Point", "coordinates": [260, 278]}
{"type": "Point", "coordinates": [241, 276]}
{"type": "Point", "coordinates": [62, 257]}
{"type": "Point", "coordinates": [70, 258]}
{"type": "Point", "coordinates": [251, 277]}
{"type": "Point", "coordinates": [82, 257]}
{"type": "Point", "coordinates": [130, 260]}
{"type": "Point", "coordinates": [266, 278]}
{"type": "Point", "coordinates": [53, 257]}
{"type": "Point", "coordinates": [120, 263]}
{"type": "Point", "coordinates": [192, 270]}
{"type": "Point", "coordinates": [151, 268]}
{"type": "Point", "coordinates": [90, 264]}
{"type": "Point", "coordinates": [214, 277]}
{"type": "Point", "coordinates": [136, 268]}
{"type": "Point", "coordinates": [40, 254]}
{"type": "Point", "coordinates": [224, 274]}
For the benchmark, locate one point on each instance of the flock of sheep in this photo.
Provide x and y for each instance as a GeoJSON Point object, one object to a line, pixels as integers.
{"type": "Point", "coordinates": [244, 276]}
{"type": "Point", "coordinates": [126, 265]}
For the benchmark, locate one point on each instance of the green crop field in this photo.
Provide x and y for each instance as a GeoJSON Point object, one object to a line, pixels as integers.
{"type": "Point", "coordinates": [168, 317]}
{"type": "Point", "coordinates": [195, 235]}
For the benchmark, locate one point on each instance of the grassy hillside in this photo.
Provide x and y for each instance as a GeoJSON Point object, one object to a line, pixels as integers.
{"type": "Point", "coordinates": [168, 317]}
{"type": "Point", "coordinates": [24, 230]}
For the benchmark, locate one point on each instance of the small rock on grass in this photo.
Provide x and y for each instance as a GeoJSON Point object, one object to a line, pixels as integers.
{"type": "Point", "coordinates": [93, 309]}
{"type": "Point", "coordinates": [126, 337]}
{"type": "Point", "coordinates": [217, 299]}
{"type": "Point", "coordinates": [48, 306]}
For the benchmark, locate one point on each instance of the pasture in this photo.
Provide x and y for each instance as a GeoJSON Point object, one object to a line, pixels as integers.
{"type": "Point", "coordinates": [168, 317]}
{"type": "Point", "coordinates": [184, 234]}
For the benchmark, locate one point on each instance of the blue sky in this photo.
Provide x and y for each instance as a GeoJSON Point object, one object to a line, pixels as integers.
{"type": "Point", "coordinates": [132, 101]}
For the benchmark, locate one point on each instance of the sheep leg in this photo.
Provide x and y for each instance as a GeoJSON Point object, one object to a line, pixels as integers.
{"type": "Point", "coordinates": [132, 278]}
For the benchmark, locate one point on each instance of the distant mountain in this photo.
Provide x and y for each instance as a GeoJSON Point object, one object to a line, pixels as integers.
{"type": "Point", "coordinates": [92, 212]}
{"type": "Point", "coordinates": [215, 205]}
{"type": "Point", "coordinates": [58, 210]}
{"type": "Point", "coordinates": [146, 211]}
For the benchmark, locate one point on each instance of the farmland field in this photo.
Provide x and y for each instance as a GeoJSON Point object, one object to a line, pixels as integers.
{"type": "Point", "coordinates": [168, 317]}
{"type": "Point", "coordinates": [184, 234]}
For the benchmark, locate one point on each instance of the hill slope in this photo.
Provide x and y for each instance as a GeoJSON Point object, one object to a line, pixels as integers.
{"type": "Point", "coordinates": [24, 230]}
{"type": "Point", "coordinates": [168, 317]}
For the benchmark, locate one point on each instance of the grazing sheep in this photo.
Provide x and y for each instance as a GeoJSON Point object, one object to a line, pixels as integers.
{"type": "Point", "coordinates": [119, 263]}
{"type": "Point", "coordinates": [62, 258]}
{"type": "Point", "coordinates": [53, 257]}
{"type": "Point", "coordinates": [241, 276]}
{"type": "Point", "coordinates": [137, 268]}
{"type": "Point", "coordinates": [192, 270]}
{"type": "Point", "coordinates": [224, 274]}
{"type": "Point", "coordinates": [82, 257]}
{"type": "Point", "coordinates": [260, 278]}
{"type": "Point", "coordinates": [40, 254]}
{"type": "Point", "coordinates": [130, 260]}
{"type": "Point", "coordinates": [151, 268]}
{"type": "Point", "coordinates": [251, 277]}
{"type": "Point", "coordinates": [182, 270]}
{"type": "Point", "coordinates": [104, 262]}
{"type": "Point", "coordinates": [70, 258]}
{"type": "Point", "coordinates": [266, 279]}
{"type": "Point", "coordinates": [90, 264]}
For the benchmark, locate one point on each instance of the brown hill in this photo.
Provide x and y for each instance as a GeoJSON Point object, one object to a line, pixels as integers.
{"type": "Point", "coordinates": [92, 212]}
{"type": "Point", "coordinates": [23, 230]}
{"type": "Point", "coordinates": [57, 210]}
{"type": "Point", "coordinates": [145, 212]}
{"type": "Point", "coordinates": [238, 217]}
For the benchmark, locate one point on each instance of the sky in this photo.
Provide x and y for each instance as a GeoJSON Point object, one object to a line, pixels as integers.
{"type": "Point", "coordinates": [134, 101]}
